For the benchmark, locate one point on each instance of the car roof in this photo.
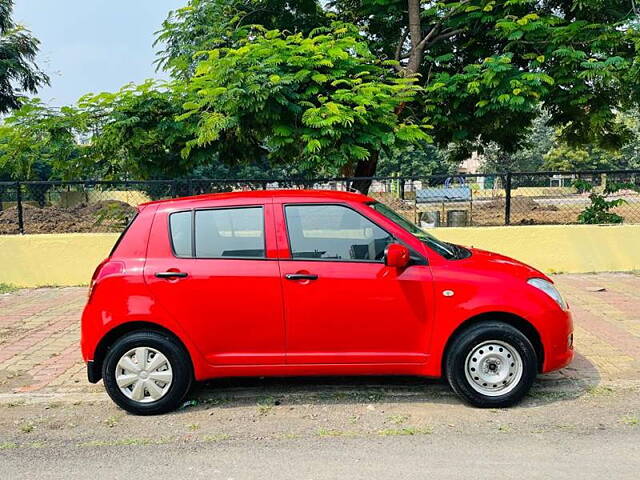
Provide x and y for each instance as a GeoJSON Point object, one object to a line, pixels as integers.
{"type": "Point", "coordinates": [330, 195]}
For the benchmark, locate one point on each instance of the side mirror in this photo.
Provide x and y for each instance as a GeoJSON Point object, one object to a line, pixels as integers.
{"type": "Point", "coordinates": [396, 256]}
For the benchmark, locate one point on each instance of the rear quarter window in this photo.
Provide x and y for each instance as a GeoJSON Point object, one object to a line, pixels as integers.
{"type": "Point", "coordinates": [180, 225]}
{"type": "Point", "coordinates": [123, 234]}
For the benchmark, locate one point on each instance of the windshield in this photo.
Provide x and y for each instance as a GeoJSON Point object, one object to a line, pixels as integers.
{"type": "Point", "coordinates": [447, 250]}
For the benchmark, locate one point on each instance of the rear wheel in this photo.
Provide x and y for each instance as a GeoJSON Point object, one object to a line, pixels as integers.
{"type": "Point", "coordinates": [492, 364]}
{"type": "Point", "coordinates": [147, 373]}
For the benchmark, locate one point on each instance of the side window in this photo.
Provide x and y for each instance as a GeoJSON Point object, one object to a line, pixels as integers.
{"type": "Point", "coordinates": [334, 232]}
{"type": "Point", "coordinates": [230, 232]}
{"type": "Point", "coordinates": [180, 224]}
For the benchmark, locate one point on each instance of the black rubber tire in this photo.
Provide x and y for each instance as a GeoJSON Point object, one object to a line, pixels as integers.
{"type": "Point", "coordinates": [470, 338]}
{"type": "Point", "coordinates": [180, 364]}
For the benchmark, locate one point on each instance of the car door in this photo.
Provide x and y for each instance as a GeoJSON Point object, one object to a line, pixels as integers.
{"type": "Point", "coordinates": [209, 269]}
{"type": "Point", "coordinates": [342, 304]}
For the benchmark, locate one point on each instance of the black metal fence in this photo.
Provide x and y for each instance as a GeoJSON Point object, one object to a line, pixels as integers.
{"type": "Point", "coordinates": [539, 198]}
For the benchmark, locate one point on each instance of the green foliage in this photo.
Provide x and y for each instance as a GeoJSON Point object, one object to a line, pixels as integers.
{"type": "Point", "coordinates": [139, 135]}
{"type": "Point", "coordinates": [205, 25]}
{"type": "Point", "coordinates": [489, 65]}
{"type": "Point", "coordinates": [39, 142]}
{"type": "Point", "coordinates": [582, 186]}
{"type": "Point", "coordinates": [321, 101]}
{"type": "Point", "coordinates": [599, 210]}
{"type": "Point", "coordinates": [18, 49]}
{"type": "Point", "coordinates": [421, 159]}
{"type": "Point", "coordinates": [530, 155]}
{"type": "Point", "coordinates": [566, 158]}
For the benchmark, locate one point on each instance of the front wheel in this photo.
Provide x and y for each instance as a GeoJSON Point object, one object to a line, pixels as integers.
{"type": "Point", "coordinates": [492, 364]}
{"type": "Point", "coordinates": [147, 373]}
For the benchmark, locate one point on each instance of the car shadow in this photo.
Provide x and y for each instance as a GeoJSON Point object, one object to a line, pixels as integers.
{"type": "Point", "coordinates": [580, 377]}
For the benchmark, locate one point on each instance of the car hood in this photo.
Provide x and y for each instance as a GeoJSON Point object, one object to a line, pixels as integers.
{"type": "Point", "coordinates": [495, 262]}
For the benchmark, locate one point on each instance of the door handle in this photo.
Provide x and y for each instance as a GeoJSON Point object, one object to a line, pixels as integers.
{"type": "Point", "coordinates": [172, 274]}
{"type": "Point", "coordinates": [301, 276]}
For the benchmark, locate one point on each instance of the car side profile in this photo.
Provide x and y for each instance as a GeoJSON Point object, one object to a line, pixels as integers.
{"type": "Point", "coordinates": [279, 283]}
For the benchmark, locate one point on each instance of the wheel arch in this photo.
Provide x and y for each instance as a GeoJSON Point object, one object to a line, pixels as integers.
{"type": "Point", "coordinates": [516, 321]}
{"type": "Point", "coordinates": [118, 332]}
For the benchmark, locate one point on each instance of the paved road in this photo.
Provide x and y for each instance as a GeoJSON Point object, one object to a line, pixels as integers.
{"type": "Point", "coordinates": [501, 456]}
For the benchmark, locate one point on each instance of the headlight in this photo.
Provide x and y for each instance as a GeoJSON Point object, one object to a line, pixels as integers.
{"type": "Point", "coordinates": [548, 288]}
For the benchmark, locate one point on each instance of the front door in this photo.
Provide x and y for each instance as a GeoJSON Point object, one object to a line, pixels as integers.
{"type": "Point", "coordinates": [225, 292]}
{"type": "Point", "coordinates": [343, 305]}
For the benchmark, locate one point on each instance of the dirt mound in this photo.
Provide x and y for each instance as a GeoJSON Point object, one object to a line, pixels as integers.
{"type": "Point", "coordinates": [519, 203]}
{"type": "Point", "coordinates": [103, 216]}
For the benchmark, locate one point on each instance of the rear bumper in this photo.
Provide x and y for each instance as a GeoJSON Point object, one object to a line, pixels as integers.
{"type": "Point", "coordinates": [93, 372]}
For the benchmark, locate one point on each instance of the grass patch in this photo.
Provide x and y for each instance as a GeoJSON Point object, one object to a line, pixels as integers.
{"type": "Point", "coordinates": [266, 404]}
{"type": "Point", "coordinates": [219, 437]}
{"type": "Point", "coordinates": [600, 391]}
{"type": "Point", "coordinates": [111, 421]}
{"type": "Point", "coordinates": [631, 420]}
{"type": "Point", "coordinates": [27, 427]}
{"type": "Point", "coordinates": [323, 432]}
{"type": "Point", "coordinates": [124, 442]}
{"type": "Point", "coordinates": [393, 432]}
{"type": "Point", "coordinates": [6, 288]}
{"type": "Point", "coordinates": [8, 445]}
{"type": "Point", "coordinates": [398, 419]}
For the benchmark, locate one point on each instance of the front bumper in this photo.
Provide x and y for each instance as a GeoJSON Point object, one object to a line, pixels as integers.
{"type": "Point", "coordinates": [558, 344]}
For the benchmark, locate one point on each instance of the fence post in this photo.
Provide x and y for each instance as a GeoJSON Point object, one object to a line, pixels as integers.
{"type": "Point", "coordinates": [19, 206]}
{"type": "Point", "coordinates": [507, 199]}
{"type": "Point", "coordinates": [401, 188]}
{"type": "Point", "coordinates": [175, 189]}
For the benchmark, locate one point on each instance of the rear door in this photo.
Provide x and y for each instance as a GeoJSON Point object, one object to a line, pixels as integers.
{"type": "Point", "coordinates": [210, 269]}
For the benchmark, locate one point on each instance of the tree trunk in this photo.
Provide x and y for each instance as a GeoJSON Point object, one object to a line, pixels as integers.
{"type": "Point", "coordinates": [365, 168]}
{"type": "Point", "coordinates": [415, 31]}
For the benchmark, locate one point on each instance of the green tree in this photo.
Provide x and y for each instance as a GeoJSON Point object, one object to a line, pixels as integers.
{"type": "Point", "coordinates": [488, 66]}
{"type": "Point", "coordinates": [566, 158]}
{"type": "Point", "coordinates": [38, 142]}
{"type": "Point", "coordinates": [322, 102]}
{"type": "Point", "coordinates": [18, 73]}
{"type": "Point", "coordinates": [418, 160]}
{"type": "Point", "coordinates": [205, 25]}
{"type": "Point", "coordinates": [529, 157]}
{"type": "Point", "coordinates": [135, 133]}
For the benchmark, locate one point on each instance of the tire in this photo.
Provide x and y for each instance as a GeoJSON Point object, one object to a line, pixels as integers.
{"type": "Point", "coordinates": [156, 389]}
{"type": "Point", "coordinates": [491, 365]}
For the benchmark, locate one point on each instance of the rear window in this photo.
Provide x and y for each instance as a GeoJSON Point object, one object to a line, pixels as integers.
{"type": "Point", "coordinates": [219, 233]}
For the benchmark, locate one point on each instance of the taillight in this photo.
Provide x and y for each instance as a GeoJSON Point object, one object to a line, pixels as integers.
{"type": "Point", "coordinates": [105, 269]}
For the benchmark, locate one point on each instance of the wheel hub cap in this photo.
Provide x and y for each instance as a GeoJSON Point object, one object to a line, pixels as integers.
{"type": "Point", "coordinates": [493, 368]}
{"type": "Point", "coordinates": [144, 374]}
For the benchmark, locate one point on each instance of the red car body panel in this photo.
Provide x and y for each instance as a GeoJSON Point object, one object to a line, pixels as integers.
{"type": "Point", "coordinates": [240, 317]}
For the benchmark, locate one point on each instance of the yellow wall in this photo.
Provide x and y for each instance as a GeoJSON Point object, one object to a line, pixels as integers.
{"type": "Point", "coordinates": [52, 259]}
{"type": "Point", "coordinates": [69, 259]}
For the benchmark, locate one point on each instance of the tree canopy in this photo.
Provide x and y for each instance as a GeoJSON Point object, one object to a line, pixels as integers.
{"type": "Point", "coordinates": [18, 73]}
{"type": "Point", "coordinates": [338, 87]}
{"type": "Point", "coordinates": [322, 101]}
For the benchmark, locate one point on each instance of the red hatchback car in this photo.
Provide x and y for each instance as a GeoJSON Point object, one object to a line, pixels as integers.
{"type": "Point", "coordinates": [311, 283]}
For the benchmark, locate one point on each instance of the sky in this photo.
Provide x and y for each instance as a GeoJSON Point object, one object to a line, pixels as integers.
{"type": "Point", "coordinates": [93, 45]}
